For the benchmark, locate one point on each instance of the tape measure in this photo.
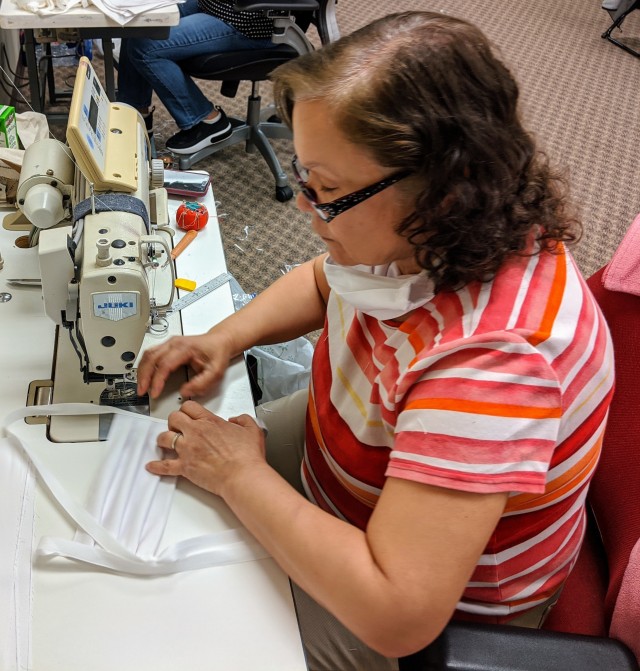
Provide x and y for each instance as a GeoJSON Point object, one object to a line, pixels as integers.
{"type": "Point", "coordinates": [200, 291]}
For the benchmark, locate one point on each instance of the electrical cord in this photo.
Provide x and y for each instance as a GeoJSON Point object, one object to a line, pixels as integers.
{"type": "Point", "coordinates": [5, 57]}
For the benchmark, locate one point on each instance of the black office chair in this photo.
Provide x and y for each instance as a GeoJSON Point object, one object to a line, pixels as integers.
{"type": "Point", "coordinates": [618, 16]}
{"type": "Point", "coordinates": [291, 18]}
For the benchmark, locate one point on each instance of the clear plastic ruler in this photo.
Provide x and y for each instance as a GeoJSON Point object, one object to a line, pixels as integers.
{"type": "Point", "coordinates": [200, 291]}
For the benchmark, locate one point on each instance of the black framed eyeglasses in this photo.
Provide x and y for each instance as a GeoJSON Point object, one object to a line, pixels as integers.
{"type": "Point", "coordinates": [329, 211]}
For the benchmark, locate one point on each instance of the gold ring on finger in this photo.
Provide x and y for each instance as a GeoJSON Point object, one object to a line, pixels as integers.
{"type": "Point", "coordinates": [175, 440]}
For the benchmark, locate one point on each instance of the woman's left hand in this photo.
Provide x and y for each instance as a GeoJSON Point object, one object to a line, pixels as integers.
{"type": "Point", "coordinates": [209, 449]}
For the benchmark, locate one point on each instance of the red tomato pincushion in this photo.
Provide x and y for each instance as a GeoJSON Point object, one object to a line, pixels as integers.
{"type": "Point", "coordinates": [192, 216]}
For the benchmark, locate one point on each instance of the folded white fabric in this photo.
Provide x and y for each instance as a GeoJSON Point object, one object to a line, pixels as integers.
{"type": "Point", "coordinates": [122, 525]}
{"type": "Point", "coordinates": [121, 11]}
{"type": "Point", "coordinates": [120, 528]}
{"type": "Point", "coordinates": [48, 7]}
{"type": "Point", "coordinates": [131, 503]}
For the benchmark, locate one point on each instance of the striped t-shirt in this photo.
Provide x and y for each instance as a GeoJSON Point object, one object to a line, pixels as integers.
{"type": "Point", "coordinates": [500, 386]}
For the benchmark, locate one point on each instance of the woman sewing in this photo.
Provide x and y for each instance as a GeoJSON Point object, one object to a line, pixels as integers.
{"type": "Point", "coordinates": [438, 465]}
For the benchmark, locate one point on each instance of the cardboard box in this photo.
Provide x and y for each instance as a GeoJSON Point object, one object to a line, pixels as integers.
{"type": "Point", "coordinates": [9, 178]}
{"type": "Point", "coordinates": [8, 128]}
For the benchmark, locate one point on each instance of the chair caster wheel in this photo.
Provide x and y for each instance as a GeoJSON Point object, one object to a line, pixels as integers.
{"type": "Point", "coordinates": [284, 193]}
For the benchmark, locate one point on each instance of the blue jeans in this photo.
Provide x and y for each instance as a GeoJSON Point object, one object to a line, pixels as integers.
{"type": "Point", "coordinates": [152, 65]}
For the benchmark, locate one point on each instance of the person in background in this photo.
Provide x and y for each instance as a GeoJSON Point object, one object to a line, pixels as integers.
{"type": "Point", "coordinates": [146, 65]}
{"type": "Point", "coordinates": [438, 465]}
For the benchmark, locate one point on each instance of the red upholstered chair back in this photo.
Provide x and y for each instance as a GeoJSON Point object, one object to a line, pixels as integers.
{"type": "Point", "coordinates": [588, 599]}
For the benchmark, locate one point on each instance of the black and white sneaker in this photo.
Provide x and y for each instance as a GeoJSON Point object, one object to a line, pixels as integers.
{"type": "Point", "coordinates": [200, 136]}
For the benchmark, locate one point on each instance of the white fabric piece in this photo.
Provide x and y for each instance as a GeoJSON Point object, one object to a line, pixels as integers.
{"type": "Point", "coordinates": [121, 11]}
{"type": "Point", "coordinates": [379, 291]}
{"type": "Point", "coordinates": [17, 484]}
{"type": "Point", "coordinates": [115, 549]}
{"type": "Point", "coordinates": [48, 7]}
{"type": "Point", "coordinates": [129, 501]}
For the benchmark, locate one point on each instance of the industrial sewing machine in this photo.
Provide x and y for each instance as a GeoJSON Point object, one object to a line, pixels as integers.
{"type": "Point", "coordinates": [100, 220]}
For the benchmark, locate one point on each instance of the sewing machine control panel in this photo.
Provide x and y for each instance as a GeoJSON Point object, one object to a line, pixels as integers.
{"type": "Point", "coordinates": [101, 134]}
{"type": "Point", "coordinates": [93, 117]}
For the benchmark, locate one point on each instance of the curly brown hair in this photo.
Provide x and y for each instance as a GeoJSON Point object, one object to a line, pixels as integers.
{"type": "Point", "coordinates": [425, 92]}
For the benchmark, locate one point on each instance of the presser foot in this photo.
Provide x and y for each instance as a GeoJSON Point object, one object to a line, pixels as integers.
{"type": "Point", "coordinates": [123, 396]}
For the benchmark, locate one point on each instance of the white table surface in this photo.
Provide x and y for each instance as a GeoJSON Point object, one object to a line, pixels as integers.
{"type": "Point", "coordinates": [89, 17]}
{"type": "Point", "coordinates": [238, 617]}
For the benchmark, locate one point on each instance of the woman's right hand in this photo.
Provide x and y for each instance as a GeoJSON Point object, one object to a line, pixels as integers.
{"type": "Point", "coordinates": [262, 321]}
{"type": "Point", "coordinates": [207, 355]}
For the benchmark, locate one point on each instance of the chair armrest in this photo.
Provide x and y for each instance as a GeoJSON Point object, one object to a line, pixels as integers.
{"type": "Point", "coordinates": [464, 646]}
{"type": "Point", "coordinates": [324, 17]}
{"type": "Point", "coordinates": [285, 5]}
{"type": "Point", "coordinates": [285, 26]}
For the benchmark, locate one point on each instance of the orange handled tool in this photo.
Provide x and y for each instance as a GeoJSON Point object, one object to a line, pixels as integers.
{"type": "Point", "coordinates": [186, 240]}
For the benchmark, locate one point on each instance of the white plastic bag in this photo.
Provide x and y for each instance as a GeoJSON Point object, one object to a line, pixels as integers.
{"type": "Point", "coordinates": [280, 369]}
{"type": "Point", "coordinates": [283, 368]}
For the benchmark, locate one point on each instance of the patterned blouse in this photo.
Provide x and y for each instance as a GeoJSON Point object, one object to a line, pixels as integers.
{"type": "Point", "coordinates": [251, 24]}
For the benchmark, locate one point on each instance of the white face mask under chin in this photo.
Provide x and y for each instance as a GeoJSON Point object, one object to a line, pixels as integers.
{"type": "Point", "coordinates": [379, 291]}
